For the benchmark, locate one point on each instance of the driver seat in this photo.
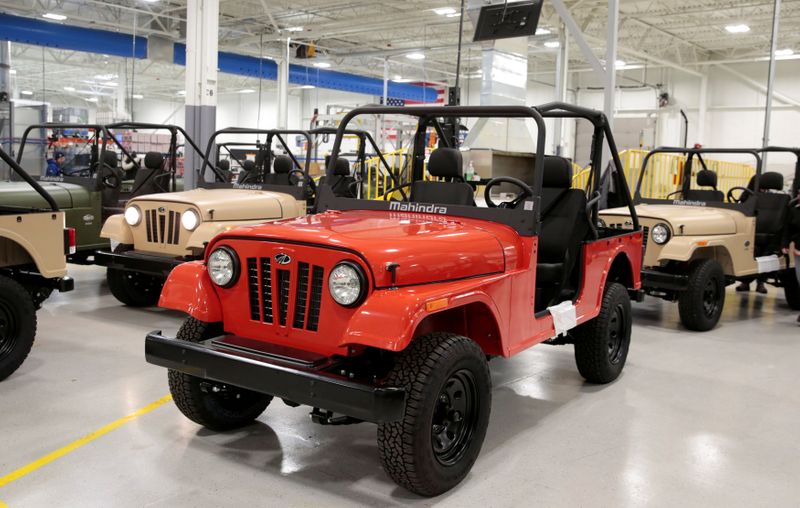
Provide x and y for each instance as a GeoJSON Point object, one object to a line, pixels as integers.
{"type": "Point", "coordinates": [341, 181]}
{"type": "Point", "coordinates": [448, 164]}
{"type": "Point", "coordinates": [248, 172]}
{"type": "Point", "coordinates": [771, 213]}
{"type": "Point", "coordinates": [281, 166]}
{"type": "Point", "coordinates": [565, 225]}
{"type": "Point", "coordinates": [149, 179]}
{"type": "Point", "coordinates": [705, 178]}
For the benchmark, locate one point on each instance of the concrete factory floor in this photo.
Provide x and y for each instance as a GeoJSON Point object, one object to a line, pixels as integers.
{"type": "Point", "coordinates": [696, 419]}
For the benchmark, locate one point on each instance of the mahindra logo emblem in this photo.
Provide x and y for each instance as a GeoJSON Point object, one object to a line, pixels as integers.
{"type": "Point", "coordinates": [161, 209]}
{"type": "Point", "coordinates": [283, 259]}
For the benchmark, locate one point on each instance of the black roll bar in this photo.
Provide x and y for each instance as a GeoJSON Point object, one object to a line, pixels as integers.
{"type": "Point", "coordinates": [14, 165]}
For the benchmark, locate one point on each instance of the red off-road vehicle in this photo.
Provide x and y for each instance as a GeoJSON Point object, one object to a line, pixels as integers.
{"type": "Point", "coordinates": [387, 311]}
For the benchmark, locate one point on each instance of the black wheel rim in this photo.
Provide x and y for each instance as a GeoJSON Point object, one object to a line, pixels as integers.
{"type": "Point", "coordinates": [9, 329]}
{"type": "Point", "coordinates": [617, 328]}
{"type": "Point", "coordinates": [454, 417]}
{"type": "Point", "coordinates": [711, 298]}
{"type": "Point", "coordinates": [142, 283]}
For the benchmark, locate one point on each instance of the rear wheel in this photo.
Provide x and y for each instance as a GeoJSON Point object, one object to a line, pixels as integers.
{"type": "Point", "coordinates": [133, 288]}
{"type": "Point", "coordinates": [791, 288]}
{"type": "Point", "coordinates": [700, 306]}
{"type": "Point", "coordinates": [433, 447]}
{"type": "Point", "coordinates": [17, 325]}
{"type": "Point", "coordinates": [601, 345]}
{"type": "Point", "coordinates": [216, 406]}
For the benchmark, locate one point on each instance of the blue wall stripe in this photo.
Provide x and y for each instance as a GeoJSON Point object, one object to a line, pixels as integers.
{"type": "Point", "coordinates": [56, 35]}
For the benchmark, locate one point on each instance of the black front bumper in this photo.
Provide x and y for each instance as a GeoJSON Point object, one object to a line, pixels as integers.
{"type": "Point", "coordinates": [278, 376]}
{"type": "Point", "coordinates": [663, 281]}
{"type": "Point", "coordinates": [135, 261]}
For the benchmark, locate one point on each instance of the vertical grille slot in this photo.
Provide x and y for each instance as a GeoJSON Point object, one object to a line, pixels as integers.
{"type": "Point", "coordinates": [283, 295]}
{"type": "Point", "coordinates": [171, 226]}
{"type": "Point", "coordinates": [301, 295]}
{"type": "Point", "coordinates": [252, 288]}
{"type": "Point", "coordinates": [645, 236]}
{"type": "Point", "coordinates": [148, 225]}
{"type": "Point", "coordinates": [154, 225]}
{"type": "Point", "coordinates": [266, 290]}
{"type": "Point", "coordinates": [315, 298]}
{"type": "Point", "coordinates": [164, 227]}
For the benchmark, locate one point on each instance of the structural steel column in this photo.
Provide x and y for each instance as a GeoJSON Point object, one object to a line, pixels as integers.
{"type": "Point", "coordinates": [611, 59]}
{"type": "Point", "coordinates": [702, 110]}
{"type": "Point", "coordinates": [776, 16]}
{"type": "Point", "coordinates": [202, 29]}
{"type": "Point", "coordinates": [283, 87]}
{"type": "Point", "coordinates": [562, 74]}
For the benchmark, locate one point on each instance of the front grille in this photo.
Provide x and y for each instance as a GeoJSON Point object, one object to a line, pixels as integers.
{"type": "Point", "coordinates": [645, 236]}
{"type": "Point", "coordinates": [162, 227]}
{"type": "Point", "coordinates": [268, 299]}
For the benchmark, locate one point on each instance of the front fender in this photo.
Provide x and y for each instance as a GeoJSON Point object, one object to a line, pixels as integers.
{"type": "Point", "coordinates": [389, 317]}
{"type": "Point", "coordinates": [206, 231]}
{"type": "Point", "coordinates": [115, 228]}
{"type": "Point", "coordinates": [189, 289]}
{"type": "Point", "coordinates": [681, 248]}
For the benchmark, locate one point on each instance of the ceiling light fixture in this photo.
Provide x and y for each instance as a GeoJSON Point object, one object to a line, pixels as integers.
{"type": "Point", "coordinates": [737, 29]}
{"type": "Point", "coordinates": [444, 11]}
{"type": "Point", "coordinates": [246, 90]}
{"type": "Point", "coordinates": [543, 31]}
{"type": "Point", "coordinates": [552, 44]}
{"type": "Point", "coordinates": [69, 88]}
{"type": "Point", "coordinates": [293, 29]}
{"type": "Point", "coordinates": [13, 71]}
{"type": "Point", "coordinates": [25, 92]}
{"type": "Point", "coordinates": [400, 79]}
{"type": "Point", "coordinates": [415, 56]}
{"type": "Point", "coordinates": [182, 93]}
{"type": "Point", "coordinates": [620, 63]}
{"type": "Point", "coordinates": [321, 65]}
{"type": "Point", "coordinates": [454, 15]}
{"type": "Point", "coordinates": [138, 96]}
{"type": "Point", "coordinates": [91, 99]}
{"type": "Point", "coordinates": [53, 16]}
{"type": "Point", "coordinates": [307, 87]}
{"type": "Point", "coordinates": [784, 52]}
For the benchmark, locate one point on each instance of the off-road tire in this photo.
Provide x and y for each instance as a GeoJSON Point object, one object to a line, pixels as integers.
{"type": "Point", "coordinates": [230, 408]}
{"type": "Point", "coordinates": [602, 344]}
{"type": "Point", "coordinates": [17, 325]}
{"type": "Point", "coordinates": [431, 367]}
{"type": "Point", "coordinates": [791, 288]}
{"type": "Point", "coordinates": [134, 289]}
{"type": "Point", "coordinates": [706, 285]}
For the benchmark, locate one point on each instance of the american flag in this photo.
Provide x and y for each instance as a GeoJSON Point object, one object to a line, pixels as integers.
{"type": "Point", "coordinates": [391, 101]}
{"type": "Point", "coordinates": [441, 96]}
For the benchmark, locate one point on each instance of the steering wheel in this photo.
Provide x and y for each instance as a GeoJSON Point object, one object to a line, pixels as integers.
{"type": "Point", "coordinates": [673, 193]}
{"type": "Point", "coordinates": [111, 181]}
{"type": "Point", "coordinates": [525, 189]}
{"type": "Point", "coordinates": [744, 190]}
{"type": "Point", "coordinates": [295, 180]}
{"type": "Point", "coordinates": [392, 190]}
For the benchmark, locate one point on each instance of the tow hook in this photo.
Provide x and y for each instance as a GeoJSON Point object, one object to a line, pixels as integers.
{"type": "Point", "coordinates": [324, 417]}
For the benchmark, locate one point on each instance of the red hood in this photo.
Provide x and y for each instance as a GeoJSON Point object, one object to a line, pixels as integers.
{"type": "Point", "coordinates": [427, 248]}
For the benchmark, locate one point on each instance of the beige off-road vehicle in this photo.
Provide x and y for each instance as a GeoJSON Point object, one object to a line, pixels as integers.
{"type": "Point", "coordinates": [251, 184]}
{"type": "Point", "coordinates": [33, 247]}
{"type": "Point", "coordinates": [698, 239]}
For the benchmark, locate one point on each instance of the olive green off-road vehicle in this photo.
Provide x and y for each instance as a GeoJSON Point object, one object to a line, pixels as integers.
{"type": "Point", "coordinates": [698, 240]}
{"type": "Point", "coordinates": [33, 247]}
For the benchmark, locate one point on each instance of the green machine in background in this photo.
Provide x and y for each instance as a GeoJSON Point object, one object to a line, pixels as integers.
{"type": "Point", "coordinates": [100, 175]}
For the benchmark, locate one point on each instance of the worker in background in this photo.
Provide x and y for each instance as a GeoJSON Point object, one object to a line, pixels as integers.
{"type": "Point", "coordinates": [55, 165]}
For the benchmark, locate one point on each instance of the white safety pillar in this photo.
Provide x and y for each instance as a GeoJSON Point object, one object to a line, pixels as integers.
{"type": "Point", "coordinates": [562, 73]}
{"type": "Point", "coordinates": [202, 36]}
{"type": "Point", "coordinates": [702, 110]}
{"type": "Point", "coordinates": [121, 100]}
{"type": "Point", "coordinates": [611, 59]}
{"type": "Point", "coordinates": [283, 87]}
{"type": "Point", "coordinates": [776, 16]}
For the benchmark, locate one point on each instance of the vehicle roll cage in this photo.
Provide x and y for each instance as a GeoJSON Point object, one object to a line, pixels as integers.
{"type": "Point", "coordinates": [220, 180]}
{"type": "Point", "coordinates": [747, 208]}
{"type": "Point", "coordinates": [528, 221]}
{"type": "Point", "coordinates": [14, 165]}
{"type": "Point", "coordinates": [100, 139]}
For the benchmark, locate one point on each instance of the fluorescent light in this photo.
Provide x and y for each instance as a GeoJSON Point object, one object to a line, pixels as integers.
{"type": "Point", "coordinates": [69, 88]}
{"type": "Point", "coordinates": [543, 31]}
{"type": "Point", "coordinates": [784, 52]}
{"type": "Point", "coordinates": [91, 99]}
{"type": "Point", "coordinates": [13, 71]}
{"type": "Point", "coordinates": [620, 63]}
{"type": "Point", "coordinates": [415, 56]}
{"type": "Point", "coordinates": [322, 65]}
{"type": "Point", "coordinates": [737, 29]}
{"type": "Point", "coordinates": [400, 79]}
{"type": "Point", "coordinates": [25, 92]}
{"type": "Point", "coordinates": [454, 15]}
{"type": "Point", "coordinates": [307, 87]}
{"type": "Point", "coordinates": [293, 29]}
{"type": "Point", "coordinates": [182, 92]}
{"type": "Point", "coordinates": [105, 77]}
{"type": "Point", "coordinates": [552, 44]}
{"type": "Point", "coordinates": [444, 11]}
{"type": "Point", "coordinates": [246, 90]}
{"type": "Point", "coordinates": [56, 17]}
{"type": "Point", "coordinates": [138, 96]}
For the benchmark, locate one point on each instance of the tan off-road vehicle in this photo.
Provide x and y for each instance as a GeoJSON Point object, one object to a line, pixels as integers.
{"type": "Point", "coordinates": [251, 184]}
{"type": "Point", "coordinates": [698, 239]}
{"type": "Point", "coordinates": [33, 247]}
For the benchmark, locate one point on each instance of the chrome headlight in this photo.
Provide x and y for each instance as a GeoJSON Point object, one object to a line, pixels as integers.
{"type": "Point", "coordinates": [660, 233]}
{"type": "Point", "coordinates": [347, 284]}
{"type": "Point", "coordinates": [133, 215]}
{"type": "Point", "coordinates": [223, 266]}
{"type": "Point", "coordinates": [190, 220]}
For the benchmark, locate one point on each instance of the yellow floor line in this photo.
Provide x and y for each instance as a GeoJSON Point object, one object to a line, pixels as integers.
{"type": "Point", "coordinates": [3, 505]}
{"type": "Point", "coordinates": [88, 438]}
